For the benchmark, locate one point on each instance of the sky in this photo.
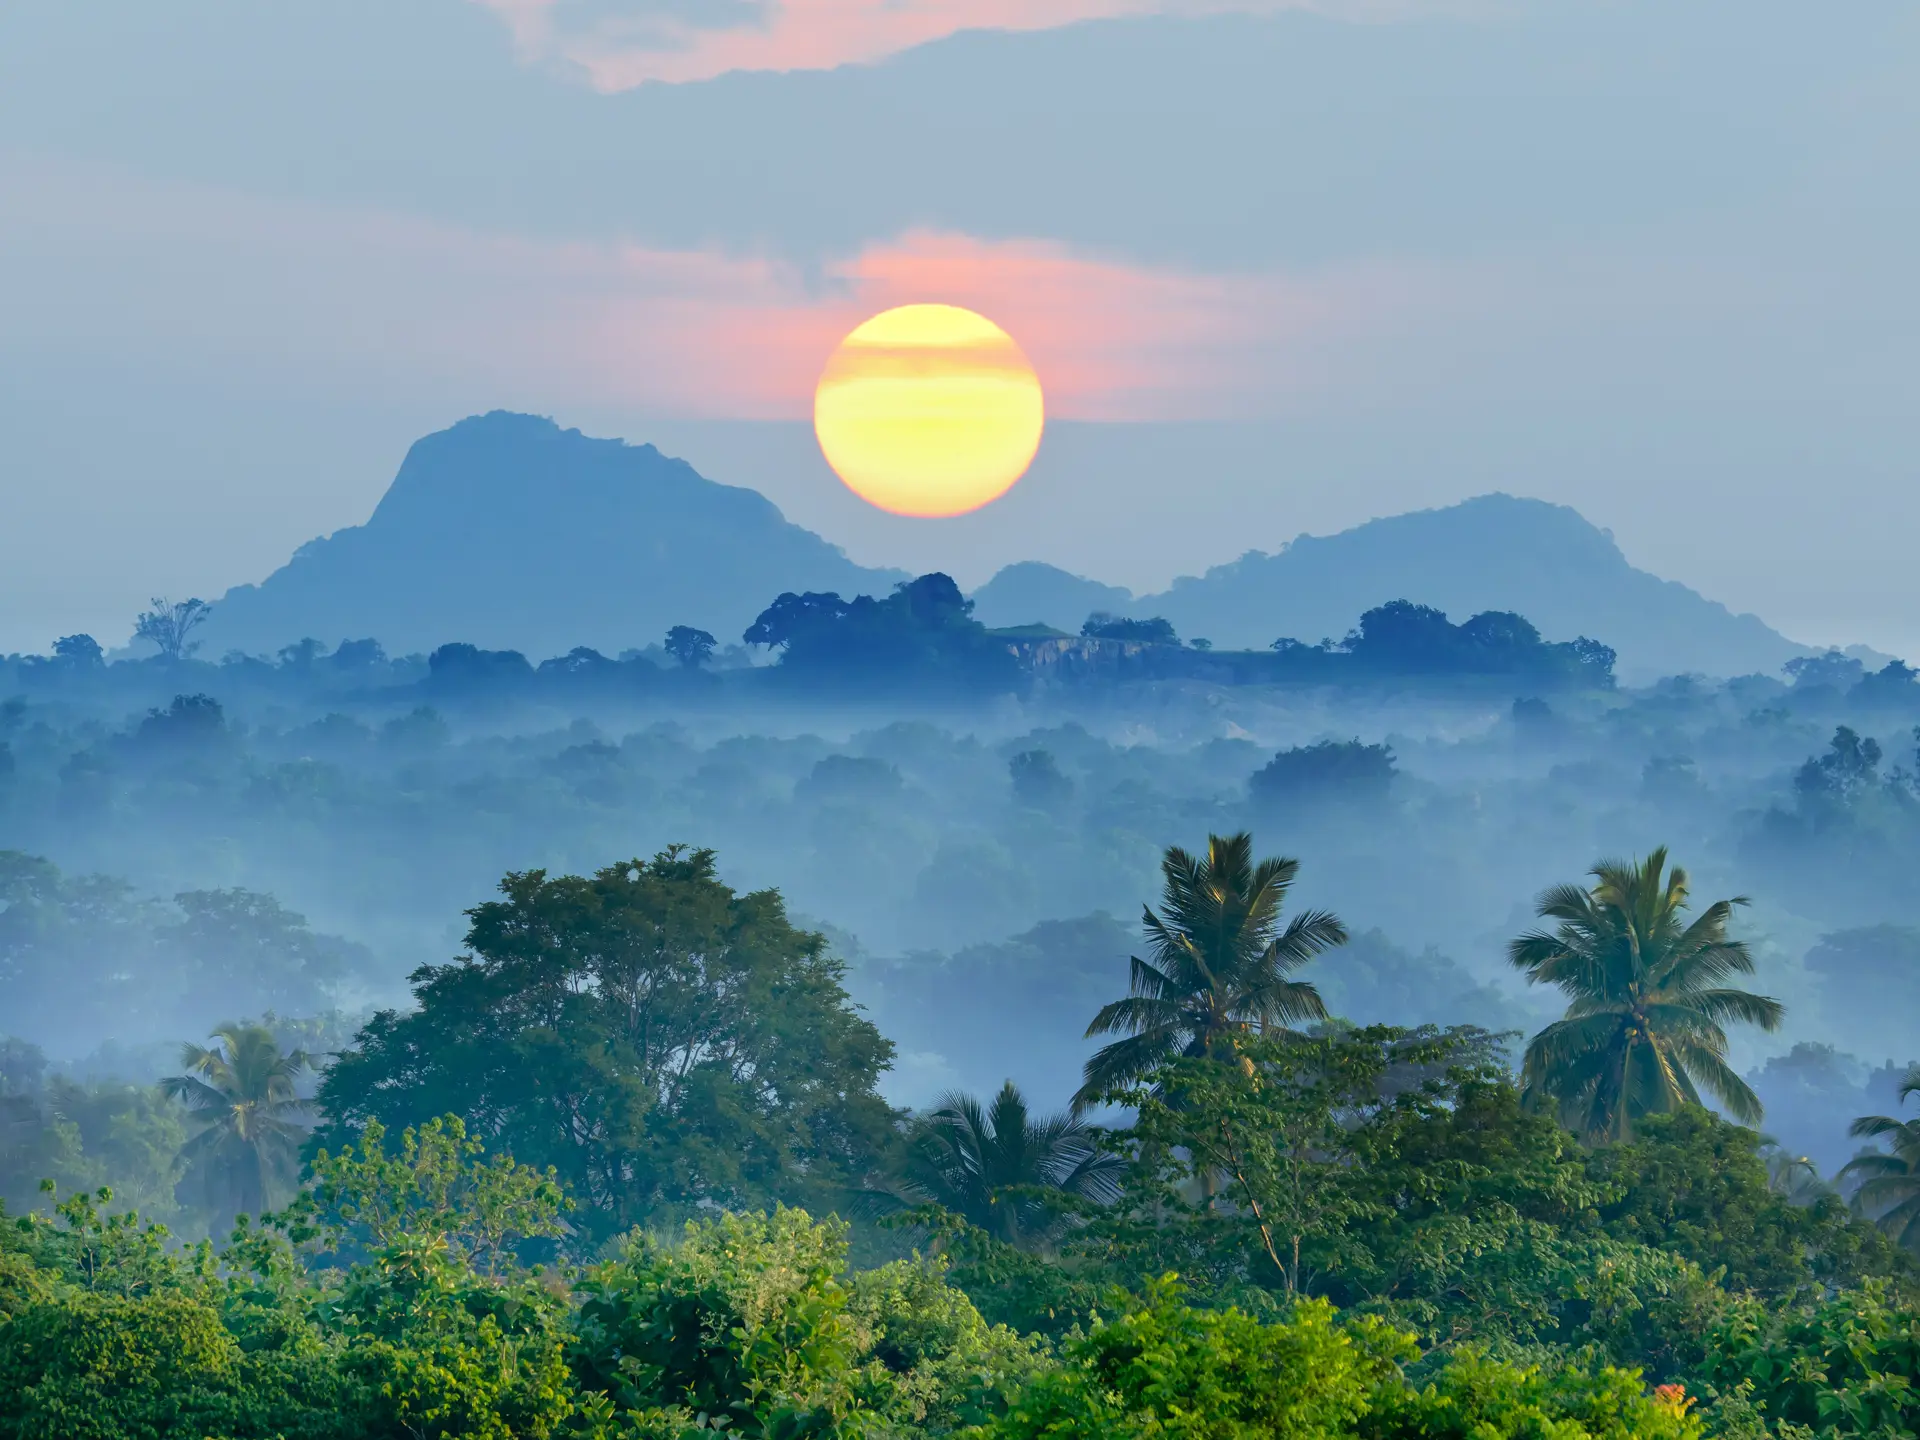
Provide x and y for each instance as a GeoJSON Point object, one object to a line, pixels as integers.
{"type": "Point", "coordinates": [1281, 269]}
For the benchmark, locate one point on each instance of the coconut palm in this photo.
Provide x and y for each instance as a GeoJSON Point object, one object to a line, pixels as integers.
{"type": "Point", "coordinates": [1890, 1180]}
{"type": "Point", "coordinates": [1221, 964]}
{"type": "Point", "coordinates": [1794, 1178]}
{"type": "Point", "coordinates": [995, 1164]}
{"type": "Point", "coordinates": [241, 1095]}
{"type": "Point", "coordinates": [1643, 1030]}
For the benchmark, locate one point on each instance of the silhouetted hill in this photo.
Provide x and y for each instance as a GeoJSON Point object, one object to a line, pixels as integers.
{"type": "Point", "coordinates": [508, 532]}
{"type": "Point", "coordinates": [1495, 552]}
{"type": "Point", "coordinates": [1029, 591]}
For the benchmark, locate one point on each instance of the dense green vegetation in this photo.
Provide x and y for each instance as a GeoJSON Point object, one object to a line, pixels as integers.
{"type": "Point", "coordinates": [588, 1186]}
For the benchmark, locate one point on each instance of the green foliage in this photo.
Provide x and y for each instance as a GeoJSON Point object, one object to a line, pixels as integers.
{"type": "Point", "coordinates": [933, 1361]}
{"type": "Point", "coordinates": [655, 1038]}
{"type": "Point", "coordinates": [744, 1319]}
{"type": "Point", "coordinates": [1477, 1398]}
{"type": "Point", "coordinates": [751, 1322]}
{"type": "Point", "coordinates": [1698, 1186]}
{"type": "Point", "coordinates": [437, 1189]}
{"type": "Point", "coordinates": [84, 1246]}
{"type": "Point", "coordinates": [1844, 1366]}
{"type": "Point", "coordinates": [1262, 1157]}
{"type": "Point", "coordinates": [1003, 1171]}
{"type": "Point", "coordinates": [117, 1367]}
{"type": "Point", "coordinates": [1166, 1370]}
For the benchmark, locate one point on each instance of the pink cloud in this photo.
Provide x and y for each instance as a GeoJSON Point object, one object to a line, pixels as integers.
{"type": "Point", "coordinates": [618, 44]}
{"type": "Point", "coordinates": [1110, 341]}
{"type": "Point", "coordinates": [125, 266]}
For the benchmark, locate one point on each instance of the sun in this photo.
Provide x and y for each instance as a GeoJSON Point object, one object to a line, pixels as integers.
{"type": "Point", "coordinates": [929, 410]}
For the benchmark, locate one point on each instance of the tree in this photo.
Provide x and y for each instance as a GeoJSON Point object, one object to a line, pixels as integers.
{"type": "Point", "coordinates": [168, 624]}
{"type": "Point", "coordinates": [463, 667]}
{"type": "Point", "coordinates": [1643, 1031]}
{"type": "Point", "coordinates": [301, 655]}
{"type": "Point", "coordinates": [239, 947]}
{"type": "Point", "coordinates": [439, 1187]}
{"type": "Point", "coordinates": [1038, 780]}
{"type": "Point", "coordinates": [1104, 626]}
{"type": "Point", "coordinates": [994, 1165]}
{"type": "Point", "coordinates": [692, 648]}
{"type": "Point", "coordinates": [1835, 780]}
{"type": "Point", "coordinates": [655, 1037]}
{"type": "Point", "coordinates": [1220, 964]}
{"type": "Point", "coordinates": [922, 638]}
{"type": "Point", "coordinates": [241, 1093]}
{"type": "Point", "coordinates": [1890, 1180]}
{"type": "Point", "coordinates": [1704, 1188]}
{"type": "Point", "coordinates": [190, 723]}
{"type": "Point", "coordinates": [80, 652]}
{"type": "Point", "coordinates": [791, 616]}
{"type": "Point", "coordinates": [1329, 772]}
{"type": "Point", "coordinates": [1832, 670]}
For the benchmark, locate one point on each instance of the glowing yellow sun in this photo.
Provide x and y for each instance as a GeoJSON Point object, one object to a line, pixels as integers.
{"type": "Point", "coordinates": [929, 410]}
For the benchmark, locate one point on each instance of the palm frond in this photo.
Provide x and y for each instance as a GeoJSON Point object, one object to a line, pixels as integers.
{"type": "Point", "coordinates": [1711, 1073]}
{"type": "Point", "coordinates": [1310, 933]}
{"type": "Point", "coordinates": [1123, 1062]}
{"type": "Point", "coordinates": [1716, 1007]}
{"type": "Point", "coordinates": [1136, 1015]}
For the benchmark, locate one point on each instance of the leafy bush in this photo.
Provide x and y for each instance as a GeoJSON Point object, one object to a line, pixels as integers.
{"type": "Point", "coordinates": [1848, 1365]}
{"type": "Point", "coordinates": [1166, 1370]}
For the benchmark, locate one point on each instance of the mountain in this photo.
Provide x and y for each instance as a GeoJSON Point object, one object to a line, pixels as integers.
{"type": "Point", "coordinates": [508, 532]}
{"type": "Point", "coordinates": [1495, 552]}
{"type": "Point", "coordinates": [1028, 591]}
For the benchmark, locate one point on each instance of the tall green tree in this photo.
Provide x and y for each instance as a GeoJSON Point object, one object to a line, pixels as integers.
{"type": "Point", "coordinates": [997, 1165]}
{"type": "Point", "coordinates": [1889, 1180]}
{"type": "Point", "coordinates": [653, 1036]}
{"type": "Point", "coordinates": [1648, 1000]}
{"type": "Point", "coordinates": [240, 1095]}
{"type": "Point", "coordinates": [1221, 964]}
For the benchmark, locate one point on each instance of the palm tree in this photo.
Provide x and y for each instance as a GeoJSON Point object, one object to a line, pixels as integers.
{"type": "Point", "coordinates": [241, 1094]}
{"type": "Point", "coordinates": [1642, 1033]}
{"type": "Point", "coordinates": [1890, 1180]}
{"type": "Point", "coordinates": [1794, 1178]}
{"type": "Point", "coordinates": [1220, 964]}
{"type": "Point", "coordinates": [994, 1164]}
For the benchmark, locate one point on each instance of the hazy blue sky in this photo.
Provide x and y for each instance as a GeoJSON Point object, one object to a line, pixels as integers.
{"type": "Point", "coordinates": [1281, 269]}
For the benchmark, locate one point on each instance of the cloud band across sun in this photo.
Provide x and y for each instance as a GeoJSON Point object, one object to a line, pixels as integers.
{"type": "Point", "coordinates": [929, 410]}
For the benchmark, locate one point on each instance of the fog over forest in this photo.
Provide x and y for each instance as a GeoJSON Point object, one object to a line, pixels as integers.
{"type": "Point", "coordinates": [972, 818]}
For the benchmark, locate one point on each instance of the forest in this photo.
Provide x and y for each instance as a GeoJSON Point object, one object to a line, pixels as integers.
{"type": "Point", "coordinates": [622, 1169]}
{"type": "Point", "coordinates": [918, 1081]}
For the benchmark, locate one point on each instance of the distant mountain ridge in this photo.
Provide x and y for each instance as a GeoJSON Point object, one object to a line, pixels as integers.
{"type": "Point", "coordinates": [1493, 552]}
{"type": "Point", "coordinates": [508, 532]}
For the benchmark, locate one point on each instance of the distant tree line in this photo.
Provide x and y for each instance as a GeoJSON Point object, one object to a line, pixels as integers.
{"type": "Point", "coordinates": [922, 638]}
